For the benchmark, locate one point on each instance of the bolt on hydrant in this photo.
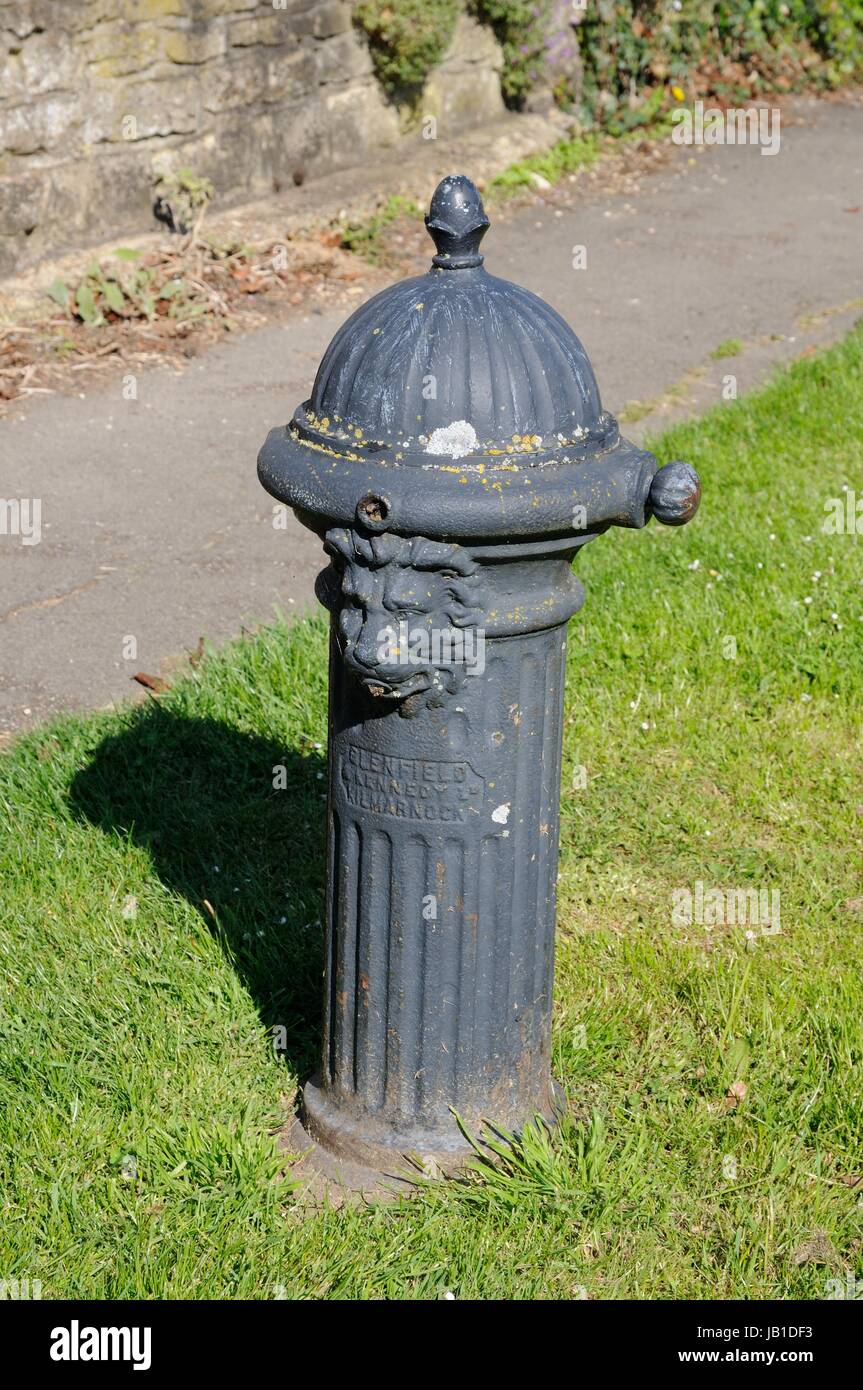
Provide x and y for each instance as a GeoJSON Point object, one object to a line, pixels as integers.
{"type": "Point", "coordinates": [454, 457]}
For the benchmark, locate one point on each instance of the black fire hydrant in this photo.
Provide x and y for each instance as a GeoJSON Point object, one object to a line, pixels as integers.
{"type": "Point", "coordinates": [454, 457]}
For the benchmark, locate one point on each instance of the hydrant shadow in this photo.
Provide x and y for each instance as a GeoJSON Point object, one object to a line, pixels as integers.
{"type": "Point", "coordinates": [235, 823]}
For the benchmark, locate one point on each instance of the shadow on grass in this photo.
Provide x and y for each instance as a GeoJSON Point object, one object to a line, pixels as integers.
{"type": "Point", "coordinates": [198, 795]}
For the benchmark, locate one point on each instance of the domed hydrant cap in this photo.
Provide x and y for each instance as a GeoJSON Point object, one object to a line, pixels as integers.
{"type": "Point", "coordinates": [457, 405]}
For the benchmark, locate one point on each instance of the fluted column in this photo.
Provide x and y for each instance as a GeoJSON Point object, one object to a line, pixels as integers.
{"type": "Point", "coordinates": [443, 839]}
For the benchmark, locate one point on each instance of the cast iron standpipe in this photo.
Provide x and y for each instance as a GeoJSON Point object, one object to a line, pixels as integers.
{"type": "Point", "coordinates": [454, 457]}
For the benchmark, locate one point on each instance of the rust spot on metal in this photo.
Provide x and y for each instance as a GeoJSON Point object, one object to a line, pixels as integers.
{"type": "Point", "coordinates": [440, 876]}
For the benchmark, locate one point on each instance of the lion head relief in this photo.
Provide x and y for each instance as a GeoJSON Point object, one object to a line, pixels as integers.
{"type": "Point", "coordinates": [409, 610]}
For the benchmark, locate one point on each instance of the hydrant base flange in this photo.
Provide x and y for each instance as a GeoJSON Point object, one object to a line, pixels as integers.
{"type": "Point", "coordinates": [344, 1153]}
{"type": "Point", "coordinates": [321, 1174]}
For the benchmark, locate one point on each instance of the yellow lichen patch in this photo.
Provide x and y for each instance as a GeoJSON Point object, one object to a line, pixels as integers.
{"type": "Point", "coordinates": [331, 453]}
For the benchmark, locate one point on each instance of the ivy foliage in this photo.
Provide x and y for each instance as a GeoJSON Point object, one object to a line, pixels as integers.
{"type": "Point", "coordinates": [521, 27]}
{"type": "Point", "coordinates": [407, 39]}
{"type": "Point", "coordinates": [608, 58]}
{"type": "Point", "coordinates": [730, 48]}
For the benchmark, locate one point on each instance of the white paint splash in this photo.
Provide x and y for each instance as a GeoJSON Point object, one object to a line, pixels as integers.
{"type": "Point", "coordinates": [501, 814]}
{"type": "Point", "coordinates": [456, 440]}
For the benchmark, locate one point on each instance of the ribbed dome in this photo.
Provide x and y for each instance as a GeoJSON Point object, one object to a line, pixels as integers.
{"type": "Point", "coordinates": [458, 408]}
{"type": "Point", "coordinates": [456, 344]}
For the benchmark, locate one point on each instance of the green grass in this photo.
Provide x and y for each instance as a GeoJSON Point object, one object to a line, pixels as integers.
{"type": "Point", "coordinates": [365, 236]}
{"type": "Point", "coordinates": [138, 1085]}
{"type": "Point", "coordinates": [564, 157]}
{"type": "Point", "coordinates": [571, 154]}
{"type": "Point", "coordinates": [729, 347]}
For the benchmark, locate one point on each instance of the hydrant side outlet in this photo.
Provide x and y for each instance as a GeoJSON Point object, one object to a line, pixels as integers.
{"type": "Point", "coordinates": [453, 457]}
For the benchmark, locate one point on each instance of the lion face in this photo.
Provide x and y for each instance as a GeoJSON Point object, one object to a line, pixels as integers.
{"type": "Point", "coordinates": [404, 606]}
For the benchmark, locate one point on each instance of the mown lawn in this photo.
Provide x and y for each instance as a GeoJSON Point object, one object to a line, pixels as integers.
{"type": "Point", "coordinates": [161, 908]}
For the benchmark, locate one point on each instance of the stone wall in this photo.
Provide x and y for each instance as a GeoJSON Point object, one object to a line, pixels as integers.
{"type": "Point", "coordinates": [97, 95]}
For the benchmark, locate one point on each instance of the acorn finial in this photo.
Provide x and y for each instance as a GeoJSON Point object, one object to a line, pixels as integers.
{"type": "Point", "coordinates": [457, 223]}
